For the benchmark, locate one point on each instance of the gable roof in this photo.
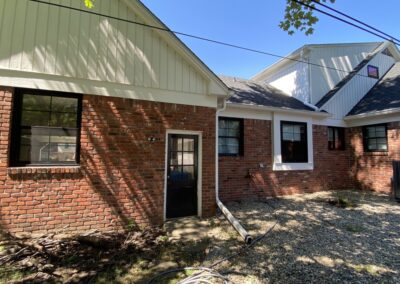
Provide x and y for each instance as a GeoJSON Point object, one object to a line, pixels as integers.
{"type": "Point", "coordinates": [250, 93]}
{"type": "Point", "coordinates": [348, 77]}
{"type": "Point", "coordinates": [385, 96]}
{"type": "Point", "coordinates": [295, 56]}
{"type": "Point", "coordinates": [137, 5]}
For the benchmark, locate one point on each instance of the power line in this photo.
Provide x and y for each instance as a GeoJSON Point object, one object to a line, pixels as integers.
{"type": "Point", "coordinates": [342, 20]}
{"type": "Point", "coordinates": [354, 19]}
{"type": "Point", "coordinates": [193, 36]}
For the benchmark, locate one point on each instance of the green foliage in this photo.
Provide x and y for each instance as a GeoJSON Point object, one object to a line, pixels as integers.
{"type": "Point", "coordinates": [89, 3]}
{"type": "Point", "coordinates": [300, 18]}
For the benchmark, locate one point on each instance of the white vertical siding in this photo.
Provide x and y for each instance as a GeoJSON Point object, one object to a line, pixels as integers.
{"type": "Point", "coordinates": [350, 94]}
{"type": "Point", "coordinates": [56, 41]}
{"type": "Point", "coordinates": [292, 80]}
{"type": "Point", "coordinates": [345, 57]}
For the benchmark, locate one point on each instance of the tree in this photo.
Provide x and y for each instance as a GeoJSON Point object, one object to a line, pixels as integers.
{"type": "Point", "coordinates": [299, 17]}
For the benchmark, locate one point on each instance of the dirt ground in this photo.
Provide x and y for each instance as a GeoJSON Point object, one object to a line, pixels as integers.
{"type": "Point", "coordinates": [333, 237]}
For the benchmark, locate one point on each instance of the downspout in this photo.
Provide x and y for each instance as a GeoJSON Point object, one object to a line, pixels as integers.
{"type": "Point", "coordinates": [228, 215]}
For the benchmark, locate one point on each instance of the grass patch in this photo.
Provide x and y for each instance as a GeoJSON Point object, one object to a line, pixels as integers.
{"type": "Point", "coordinates": [354, 228]}
{"type": "Point", "coordinates": [342, 201]}
{"type": "Point", "coordinates": [8, 273]}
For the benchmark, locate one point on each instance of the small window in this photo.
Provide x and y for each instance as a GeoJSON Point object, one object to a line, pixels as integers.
{"type": "Point", "coordinates": [230, 139]}
{"type": "Point", "coordinates": [336, 139]}
{"type": "Point", "coordinates": [294, 147]}
{"type": "Point", "coordinates": [373, 71]}
{"type": "Point", "coordinates": [46, 128]}
{"type": "Point", "coordinates": [375, 138]}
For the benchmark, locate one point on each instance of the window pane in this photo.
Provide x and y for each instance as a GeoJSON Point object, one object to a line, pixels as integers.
{"type": "Point", "coordinates": [188, 172]}
{"type": "Point", "coordinates": [233, 132]}
{"type": "Point", "coordinates": [372, 145]}
{"type": "Point", "coordinates": [188, 144]}
{"type": "Point", "coordinates": [287, 128]}
{"type": "Point", "coordinates": [61, 104]}
{"type": "Point", "coordinates": [287, 136]}
{"type": "Point", "coordinates": [36, 102]}
{"type": "Point", "coordinates": [62, 146]}
{"type": "Point", "coordinates": [34, 144]}
{"type": "Point", "coordinates": [232, 146]}
{"type": "Point", "coordinates": [233, 124]}
{"type": "Point", "coordinates": [35, 118]}
{"type": "Point", "coordinates": [371, 132]}
{"type": "Point", "coordinates": [63, 119]}
{"type": "Point", "coordinates": [330, 134]}
{"type": "Point", "coordinates": [188, 158]}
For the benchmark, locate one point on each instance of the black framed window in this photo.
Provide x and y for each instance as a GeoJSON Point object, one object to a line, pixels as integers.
{"type": "Point", "coordinates": [373, 71]}
{"type": "Point", "coordinates": [230, 138]}
{"type": "Point", "coordinates": [336, 140]}
{"type": "Point", "coordinates": [294, 147]}
{"type": "Point", "coordinates": [375, 138]}
{"type": "Point", "coordinates": [46, 128]}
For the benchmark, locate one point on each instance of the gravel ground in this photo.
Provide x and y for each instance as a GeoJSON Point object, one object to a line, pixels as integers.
{"type": "Point", "coordinates": [312, 240]}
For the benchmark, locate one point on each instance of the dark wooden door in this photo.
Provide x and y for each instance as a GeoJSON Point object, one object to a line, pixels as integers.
{"type": "Point", "coordinates": [182, 175]}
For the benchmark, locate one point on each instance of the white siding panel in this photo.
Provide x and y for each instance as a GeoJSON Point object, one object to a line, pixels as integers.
{"type": "Point", "coordinates": [344, 58]}
{"type": "Point", "coordinates": [40, 38]}
{"type": "Point", "coordinates": [292, 80]}
{"type": "Point", "coordinates": [349, 95]}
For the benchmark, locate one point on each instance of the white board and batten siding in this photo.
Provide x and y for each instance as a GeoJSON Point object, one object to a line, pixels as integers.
{"type": "Point", "coordinates": [55, 48]}
{"type": "Point", "coordinates": [339, 60]}
{"type": "Point", "coordinates": [351, 93]}
{"type": "Point", "coordinates": [309, 80]}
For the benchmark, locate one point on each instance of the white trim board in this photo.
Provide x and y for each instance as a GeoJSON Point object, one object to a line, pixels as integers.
{"type": "Point", "coordinates": [199, 134]}
{"type": "Point", "coordinates": [33, 80]}
{"type": "Point", "coordinates": [276, 145]}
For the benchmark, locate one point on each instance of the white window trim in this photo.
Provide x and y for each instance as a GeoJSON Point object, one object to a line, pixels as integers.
{"type": "Point", "coordinates": [278, 165]}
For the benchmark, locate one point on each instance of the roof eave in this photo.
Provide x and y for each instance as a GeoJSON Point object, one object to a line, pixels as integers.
{"type": "Point", "coordinates": [279, 109]}
{"type": "Point", "coordinates": [371, 114]}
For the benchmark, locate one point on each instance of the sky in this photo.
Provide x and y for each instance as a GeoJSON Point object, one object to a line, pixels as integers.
{"type": "Point", "coordinates": [254, 24]}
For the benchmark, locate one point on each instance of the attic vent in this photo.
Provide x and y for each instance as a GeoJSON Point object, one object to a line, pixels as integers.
{"type": "Point", "coordinates": [387, 52]}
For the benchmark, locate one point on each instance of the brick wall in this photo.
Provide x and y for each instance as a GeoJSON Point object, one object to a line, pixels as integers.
{"type": "Point", "coordinates": [121, 177]}
{"type": "Point", "coordinates": [242, 177]}
{"type": "Point", "coordinates": [373, 170]}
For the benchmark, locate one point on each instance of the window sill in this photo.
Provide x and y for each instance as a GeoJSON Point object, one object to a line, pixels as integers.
{"type": "Point", "coordinates": [293, 166]}
{"type": "Point", "coordinates": [376, 153]}
{"type": "Point", "coordinates": [44, 170]}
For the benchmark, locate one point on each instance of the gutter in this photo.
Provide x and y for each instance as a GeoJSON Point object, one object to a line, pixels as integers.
{"type": "Point", "coordinates": [285, 110]}
{"type": "Point", "coordinates": [228, 215]}
{"type": "Point", "coordinates": [371, 114]}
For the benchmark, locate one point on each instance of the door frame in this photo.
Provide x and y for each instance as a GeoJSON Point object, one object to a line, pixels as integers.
{"type": "Point", "coordinates": [199, 135]}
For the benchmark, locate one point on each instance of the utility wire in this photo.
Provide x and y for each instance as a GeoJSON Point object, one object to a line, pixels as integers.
{"type": "Point", "coordinates": [354, 19]}
{"type": "Point", "coordinates": [342, 20]}
{"type": "Point", "coordinates": [203, 38]}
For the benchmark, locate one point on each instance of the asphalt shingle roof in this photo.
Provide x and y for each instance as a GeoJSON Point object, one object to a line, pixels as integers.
{"type": "Point", "coordinates": [247, 92]}
{"type": "Point", "coordinates": [385, 95]}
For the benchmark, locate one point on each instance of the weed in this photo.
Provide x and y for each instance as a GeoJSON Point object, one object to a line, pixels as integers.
{"type": "Point", "coordinates": [354, 228]}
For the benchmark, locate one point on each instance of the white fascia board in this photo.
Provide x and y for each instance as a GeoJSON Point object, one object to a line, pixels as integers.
{"type": "Point", "coordinates": [216, 86]}
{"type": "Point", "coordinates": [278, 165]}
{"type": "Point", "coordinates": [373, 118]}
{"type": "Point", "coordinates": [278, 110]}
{"type": "Point", "coordinates": [33, 80]}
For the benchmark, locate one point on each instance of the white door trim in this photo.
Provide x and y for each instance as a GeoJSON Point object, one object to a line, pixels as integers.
{"type": "Point", "coordinates": [199, 134]}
